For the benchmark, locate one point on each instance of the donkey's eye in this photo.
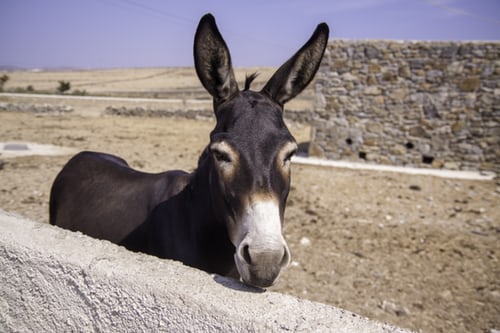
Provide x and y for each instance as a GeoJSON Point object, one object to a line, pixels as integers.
{"type": "Point", "coordinates": [288, 157]}
{"type": "Point", "coordinates": [221, 156]}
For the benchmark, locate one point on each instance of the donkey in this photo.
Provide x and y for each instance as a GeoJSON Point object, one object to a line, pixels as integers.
{"type": "Point", "coordinates": [226, 217]}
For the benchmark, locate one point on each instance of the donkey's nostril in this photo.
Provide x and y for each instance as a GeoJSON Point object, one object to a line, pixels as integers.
{"type": "Point", "coordinates": [286, 258]}
{"type": "Point", "coordinates": [246, 254]}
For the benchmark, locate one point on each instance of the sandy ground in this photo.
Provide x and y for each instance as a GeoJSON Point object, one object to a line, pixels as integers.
{"type": "Point", "coordinates": [419, 252]}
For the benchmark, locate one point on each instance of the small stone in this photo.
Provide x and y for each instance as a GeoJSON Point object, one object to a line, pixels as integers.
{"type": "Point", "coordinates": [374, 127]}
{"type": "Point", "coordinates": [451, 165]}
{"type": "Point", "coordinates": [419, 132]}
{"type": "Point", "coordinates": [371, 80]}
{"type": "Point", "coordinates": [433, 75]}
{"type": "Point", "coordinates": [405, 72]}
{"type": "Point", "coordinates": [315, 150]}
{"type": "Point", "coordinates": [470, 84]}
{"type": "Point", "coordinates": [394, 308]}
{"type": "Point", "coordinates": [430, 111]}
{"type": "Point", "coordinates": [349, 77]}
{"type": "Point", "coordinates": [380, 100]}
{"type": "Point", "coordinates": [437, 164]}
{"type": "Point", "coordinates": [371, 52]}
{"type": "Point", "coordinates": [304, 241]}
{"type": "Point", "coordinates": [372, 90]}
{"type": "Point", "coordinates": [398, 150]}
{"type": "Point", "coordinates": [478, 211]}
{"type": "Point", "coordinates": [399, 94]}
{"type": "Point", "coordinates": [446, 294]}
{"type": "Point", "coordinates": [457, 126]}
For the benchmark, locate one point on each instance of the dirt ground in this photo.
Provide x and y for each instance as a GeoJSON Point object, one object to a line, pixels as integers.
{"type": "Point", "coordinates": [419, 252]}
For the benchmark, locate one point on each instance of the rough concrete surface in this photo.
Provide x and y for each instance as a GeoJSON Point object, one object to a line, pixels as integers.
{"type": "Point", "coordinates": [55, 280]}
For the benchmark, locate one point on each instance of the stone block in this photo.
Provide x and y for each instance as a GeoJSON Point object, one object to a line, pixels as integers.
{"type": "Point", "coordinates": [371, 80]}
{"type": "Point", "coordinates": [458, 126]}
{"type": "Point", "coordinates": [470, 84]}
{"type": "Point", "coordinates": [399, 94]}
{"type": "Point", "coordinates": [374, 68]}
{"type": "Point", "coordinates": [419, 132]}
{"type": "Point", "coordinates": [398, 150]}
{"type": "Point", "coordinates": [404, 71]}
{"type": "Point", "coordinates": [371, 52]}
{"type": "Point", "coordinates": [372, 90]}
{"type": "Point", "coordinates": [374, 127]}
{"type": "Point", "coordinates": [315, 150]}
{"type": "Point", "coordinates": [451, 165]}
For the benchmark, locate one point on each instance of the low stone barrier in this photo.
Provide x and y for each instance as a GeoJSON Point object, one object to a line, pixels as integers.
{"type": "Point", "coordinates": [53, 280]}
{"type": "Point", "coordinates": [300, 116]}
{"type": "Point", "coordinates": [35, 108]}
{"type": "Point", "coordinates": [149, 112]}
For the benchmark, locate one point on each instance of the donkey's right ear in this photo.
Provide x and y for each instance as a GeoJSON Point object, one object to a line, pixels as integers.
{"type": "Point", "coordinates": [213, 61]}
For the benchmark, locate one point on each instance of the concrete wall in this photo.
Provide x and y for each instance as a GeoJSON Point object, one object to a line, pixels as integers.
{"type": "Point", "coordinates": [53, 280]}
{"type": "Point", "coordinates": [424, 104]}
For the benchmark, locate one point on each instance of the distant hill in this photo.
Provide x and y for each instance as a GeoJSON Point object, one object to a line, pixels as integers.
{"type": "Point", "coordinates": [11, 68]}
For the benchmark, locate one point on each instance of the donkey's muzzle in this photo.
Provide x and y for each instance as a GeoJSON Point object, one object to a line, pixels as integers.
{"type": "Point", "coordinates": [260, 265]}
{"type": "Point", "coordinates": [261, 250]}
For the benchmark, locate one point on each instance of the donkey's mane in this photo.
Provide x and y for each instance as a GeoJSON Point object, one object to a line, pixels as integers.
{"type": "Point", "coordinates": [249, 79]}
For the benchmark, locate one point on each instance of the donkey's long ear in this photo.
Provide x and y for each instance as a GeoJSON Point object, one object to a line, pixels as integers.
{"type": "Point", "coordinates": [295, 74]}
{"type": "Point", "coordinates": [212, 61]}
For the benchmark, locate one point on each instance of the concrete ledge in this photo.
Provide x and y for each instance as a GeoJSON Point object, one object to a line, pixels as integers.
{"type": "Point", "coordinates": [442, 173]}
{"type": "Point", "coordinates": [55, 280]}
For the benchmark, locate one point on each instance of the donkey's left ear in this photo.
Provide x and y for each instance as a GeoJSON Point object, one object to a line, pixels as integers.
{"type": "Point", "coordinates": [295, 74]}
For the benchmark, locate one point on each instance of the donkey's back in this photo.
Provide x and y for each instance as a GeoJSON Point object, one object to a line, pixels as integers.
{"type": "Point", "coordinates": [102, 196]}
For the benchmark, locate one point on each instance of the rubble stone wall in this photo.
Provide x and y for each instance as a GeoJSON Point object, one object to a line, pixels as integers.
{"type": "Point", "coordinates": [424, 104]}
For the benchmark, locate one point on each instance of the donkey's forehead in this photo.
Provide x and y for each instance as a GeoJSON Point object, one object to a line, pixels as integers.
{"type": "Point", "coordinates": [251, 113]}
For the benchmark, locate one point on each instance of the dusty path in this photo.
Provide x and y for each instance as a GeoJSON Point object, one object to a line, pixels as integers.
{"type": "Point", "coordinates": [417, 251]}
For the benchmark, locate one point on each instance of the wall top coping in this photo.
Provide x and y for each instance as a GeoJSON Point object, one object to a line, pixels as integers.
{"type": "Point", "coordinates": [50, 269]}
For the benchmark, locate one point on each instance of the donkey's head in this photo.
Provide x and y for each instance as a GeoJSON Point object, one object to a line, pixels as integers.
{"type": "Point", "coordinates": [250, 149]}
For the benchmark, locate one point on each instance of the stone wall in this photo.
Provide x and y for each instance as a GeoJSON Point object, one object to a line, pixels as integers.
{"type": "Point", "coordinates": [424, 104]}
{"type": "Point", "coordinates": [301, 116]}
{"type": "Point", "coordinates": [35, 108]}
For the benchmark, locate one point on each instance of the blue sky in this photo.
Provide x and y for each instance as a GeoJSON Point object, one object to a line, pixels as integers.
{"type": "Point", "coordinates": [134, 33]}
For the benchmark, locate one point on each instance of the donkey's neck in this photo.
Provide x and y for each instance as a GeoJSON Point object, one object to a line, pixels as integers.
{"type": "Point", "coordinates": [209, 237]}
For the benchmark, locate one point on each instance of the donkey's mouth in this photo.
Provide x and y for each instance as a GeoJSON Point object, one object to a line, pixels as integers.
{"type": "Point", "coordinates": [261, 277]}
